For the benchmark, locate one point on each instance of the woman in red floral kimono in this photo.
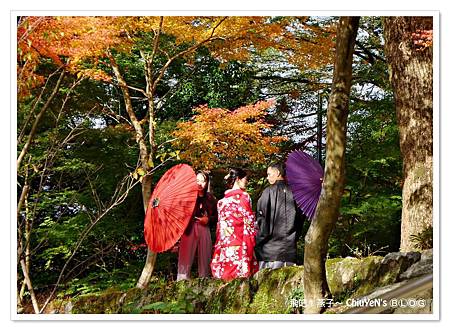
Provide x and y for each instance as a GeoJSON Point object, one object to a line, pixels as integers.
{"type": "Point", "coordinates": [236, 230]}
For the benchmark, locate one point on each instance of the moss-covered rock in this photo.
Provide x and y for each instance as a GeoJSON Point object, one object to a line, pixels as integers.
{"type": "Point", "coordinates": [267, 292]}
{"type": "Point", "coordinates": [347, 276]}
{"type": "Point", "coordinates": [233, 297]}
{"type": "Point", "coordinates": [105, 303]}
{"type": "Point", "coordinates": [274, 289]}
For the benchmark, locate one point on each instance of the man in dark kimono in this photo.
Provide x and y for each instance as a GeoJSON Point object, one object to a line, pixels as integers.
{"type": "Point", "coordinates": [279, 220]}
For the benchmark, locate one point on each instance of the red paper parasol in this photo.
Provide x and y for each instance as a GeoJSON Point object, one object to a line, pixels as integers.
{"type": "Point", "coordinates": [304, 175]}
{"type": "Point", "coordinates": [170, 208]}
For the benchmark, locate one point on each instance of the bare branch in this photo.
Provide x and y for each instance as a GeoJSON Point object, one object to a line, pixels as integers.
{"type": "Point", "coordinates": [119, 197]}
{"type": "Point", "coordinates": [167, 142]}
{"type": "Point", "coordinates": [22, 131]}
{"type": "Point", "coordinates": [131, 88]}
{"type": "Point", "coordinates": [38, 118]}
{"type": "Point", "coordinates": [30, 28]}
{"type": "Point", "coordinates": [156, 40]}
{"type": "Point", "coordinates": [188, 50]}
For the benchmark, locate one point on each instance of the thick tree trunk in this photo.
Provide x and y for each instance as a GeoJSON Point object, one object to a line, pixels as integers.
{"type": "Point", "coordinates": [411, 74]}
{"type": "Point", "coordinates": [316, 240]}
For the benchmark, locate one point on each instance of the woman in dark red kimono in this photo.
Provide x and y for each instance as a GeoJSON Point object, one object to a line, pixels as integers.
{"type": "Point", "coordinates": [236, 230]}
{"type": "Point", "coordinates": [197, 237]}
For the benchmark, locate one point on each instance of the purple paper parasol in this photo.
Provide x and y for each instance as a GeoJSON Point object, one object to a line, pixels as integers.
{"type": "Point", "coordinates": [304, 175]}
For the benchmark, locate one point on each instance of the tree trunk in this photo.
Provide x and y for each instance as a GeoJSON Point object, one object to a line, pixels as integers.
{"type": "Point", "coordinates": [316, 240]}
{"type": "Point", "coordinates": [146, 158]}
{"type": "Point", "coordinates": [23, 254]}
{"type": "Point", "coordinates": [147, 272]}
{"type": "Point", "coordinates": [411, 74]}
{"type": "Point", "coordinates": [30, 286]}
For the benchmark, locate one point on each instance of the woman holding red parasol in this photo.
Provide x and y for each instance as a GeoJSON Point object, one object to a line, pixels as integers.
{"type": "Point", "coordinates": [236, 230]}
{"type": "Point", "coordinates": [180, 206]}
{"type": "Point", "coordinates": [196, 237]}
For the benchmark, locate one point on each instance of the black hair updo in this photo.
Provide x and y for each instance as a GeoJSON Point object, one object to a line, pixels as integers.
{"type": "Point", "coordinates": [233, 175]}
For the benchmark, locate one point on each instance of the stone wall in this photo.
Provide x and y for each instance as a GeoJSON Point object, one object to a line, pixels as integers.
{"type": "Point", "coordinates": [267, 292]}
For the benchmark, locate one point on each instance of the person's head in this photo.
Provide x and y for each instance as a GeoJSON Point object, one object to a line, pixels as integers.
{"type": "Point", "coordinates": [236, 178]}
{"type": "Point", "coordinates": [275, 172]}
{"type": "Point", "coordinates": [202, 182]}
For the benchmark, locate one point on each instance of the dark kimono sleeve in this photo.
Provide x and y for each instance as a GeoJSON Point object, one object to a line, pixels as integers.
{"type": "Point", "coordinates": [263, 211]}
{"type": "Point", "coordinates": [211, 204]}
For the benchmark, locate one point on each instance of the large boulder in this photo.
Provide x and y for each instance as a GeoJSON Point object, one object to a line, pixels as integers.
{"type": "Point", "coordinates": [422, 267]}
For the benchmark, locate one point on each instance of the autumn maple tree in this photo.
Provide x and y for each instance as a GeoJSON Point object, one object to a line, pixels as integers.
{"type": "Point", "coordinates": [217, 137]}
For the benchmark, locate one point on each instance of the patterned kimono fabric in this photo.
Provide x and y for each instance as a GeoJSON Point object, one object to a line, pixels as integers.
{"type": "Point", "coordinates": [236, 230]}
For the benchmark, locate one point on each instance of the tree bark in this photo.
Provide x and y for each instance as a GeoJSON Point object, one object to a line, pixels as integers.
{"type": "Point", "coordinates": [30, 286]}
{"type": "Point", "coordinates": [411, 74]}
{"type": "Point", "coordinates": [23, 254]}
{"type": "Point", "coordinates": [146, 157]}
{"type": "Point", "coordinates": [316, 240]}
